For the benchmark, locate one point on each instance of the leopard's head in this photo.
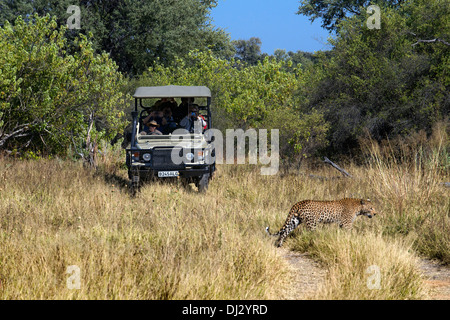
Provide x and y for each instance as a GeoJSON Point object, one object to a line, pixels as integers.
{"type": "Point", "coordinates": [367, 208]}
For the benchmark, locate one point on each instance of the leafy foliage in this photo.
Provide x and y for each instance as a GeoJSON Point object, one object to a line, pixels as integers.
{"type": "Point", "coordinates": [378, 81]}
{"type": "Point", "coordinates": [248, 51]}
{"type": "Point", "coordinates": [49, 99]}
{"type": "Point", "coordinates": [135, 33]}
{"type": "Point", "coordinates": [246, 96]}
{"type": "Point", "coordinates": [332, 12]}
{"type": "Point", "coordinates": [55, 91]}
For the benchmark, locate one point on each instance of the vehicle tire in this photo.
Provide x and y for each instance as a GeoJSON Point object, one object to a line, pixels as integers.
{"type": "Point", "coordinates": [203, 182]}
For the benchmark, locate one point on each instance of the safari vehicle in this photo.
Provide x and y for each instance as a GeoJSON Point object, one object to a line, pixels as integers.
{"type": "Point", "coordinates": [179, 154]}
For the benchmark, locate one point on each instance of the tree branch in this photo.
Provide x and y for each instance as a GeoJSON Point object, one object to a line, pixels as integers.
{"type": "Point", "coordinates": [427, 41]}
{"type": "Point", "coordinates": [431, 41]}
{"type": "Point", "coordinates": [326, 160]}
{"type": "Point", "coordinates": [18, 131]}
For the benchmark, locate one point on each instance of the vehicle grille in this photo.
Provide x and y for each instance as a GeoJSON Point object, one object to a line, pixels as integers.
{"type": "Point", "coordinates": [162, 159]}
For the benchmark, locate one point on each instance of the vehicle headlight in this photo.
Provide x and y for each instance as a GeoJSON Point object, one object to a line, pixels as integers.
{"type": "Point", "coordinates": [147, 157]}
{"type": "Point", "coordinates": [190, 156]}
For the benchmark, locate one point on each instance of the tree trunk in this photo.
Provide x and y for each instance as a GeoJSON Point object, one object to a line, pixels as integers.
{"type": "Point", "coordinates": [91, 146]}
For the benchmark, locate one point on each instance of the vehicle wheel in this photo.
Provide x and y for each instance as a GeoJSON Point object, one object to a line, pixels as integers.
{"type": "Point", "coordinates": [203, 182]}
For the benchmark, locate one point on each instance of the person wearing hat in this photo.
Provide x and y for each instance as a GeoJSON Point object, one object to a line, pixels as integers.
{"type": "Point", "coordinates": [150, 128]}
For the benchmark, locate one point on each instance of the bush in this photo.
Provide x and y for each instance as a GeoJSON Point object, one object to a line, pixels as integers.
{"type": "Point", "coordinates": [383, 81]}
{"type": "Point", "coordinates": [50, 99]}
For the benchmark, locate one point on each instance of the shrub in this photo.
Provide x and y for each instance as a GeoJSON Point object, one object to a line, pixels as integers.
{"type": "Point", "coordinates": [51, 99]}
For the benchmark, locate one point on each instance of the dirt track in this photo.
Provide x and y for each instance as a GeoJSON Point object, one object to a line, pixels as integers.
{"type": "Point", "coordinates": [308, 275]}
{"type": "Point", "coordinates": [437, 278]}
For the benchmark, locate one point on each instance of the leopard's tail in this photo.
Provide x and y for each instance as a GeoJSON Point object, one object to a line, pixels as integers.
{"type": "Point", "coordinates": [272, 234]}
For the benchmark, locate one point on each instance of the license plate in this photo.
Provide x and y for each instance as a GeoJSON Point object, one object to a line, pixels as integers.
{"type": "Point", "coordinates": [168, 174]}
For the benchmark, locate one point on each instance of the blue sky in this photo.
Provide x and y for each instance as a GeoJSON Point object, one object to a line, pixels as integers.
{"type": "Point", "coordinates": [273, 21]}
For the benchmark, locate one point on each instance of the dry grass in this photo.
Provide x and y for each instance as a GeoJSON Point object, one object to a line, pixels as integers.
{"type": "Point", "coordinates": [404, 178]}
{"type": "Point", "coordinates": [168, 243]}
{"type": "Point", "coordinates": [353, 260]}
{"type": "Point", "coordinates": [409, 175]}
{"type": "Point", "coordinates": [172, 243]}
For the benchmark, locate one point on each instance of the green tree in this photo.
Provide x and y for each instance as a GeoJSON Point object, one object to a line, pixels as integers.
{"type": "Point", "coordinates": [383, 81]}
{"type": "Point", "coordinates": [51, 100]}
{"type": "Point", "coordinates": [248, 51]}
{"type": "Point", "coordinates": [332, 12]}
{"type": "Point", "coordinates": [299, 59]}
{"type": "Point", "coordinates": [135, 33]}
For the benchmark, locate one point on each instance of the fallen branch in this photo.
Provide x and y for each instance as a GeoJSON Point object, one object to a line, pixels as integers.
{"type": "Point", "coordinates": [326, 160]}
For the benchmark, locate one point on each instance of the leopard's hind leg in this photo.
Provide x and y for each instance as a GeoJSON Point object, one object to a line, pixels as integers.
{"type": "Point", "coordinates": [291, 223]}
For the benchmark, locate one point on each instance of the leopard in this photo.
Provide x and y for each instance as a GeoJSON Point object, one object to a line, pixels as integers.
{"type": "Point", "coordinates": [313, 212]}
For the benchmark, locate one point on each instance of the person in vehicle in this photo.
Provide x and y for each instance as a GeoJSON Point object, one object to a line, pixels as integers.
{"type": "Point", "coordinates": [193, 122]}
{"type": "Point", "coordinates": [170, 123]}
{"type": "Point", "coordinates": [165, 102]}
{"type": "Point", "coordinates": [150, 129]}
{"type": "Point", "coordinates": [182, 110]}
{"type": "Point", "coordinates": [157, 116]}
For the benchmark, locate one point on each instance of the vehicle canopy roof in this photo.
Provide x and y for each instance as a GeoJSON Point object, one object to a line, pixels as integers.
{"type": "Point", "coordinates": [172, 92]}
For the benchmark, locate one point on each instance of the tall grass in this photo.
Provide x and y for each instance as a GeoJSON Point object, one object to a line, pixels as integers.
{"type": "Point", "coordinates": [409, 175]}
{"type": "Point", "coordinates": [173, 243]}
{"type": "Point", "coordinates": [168, 243]}
{"type": "Point", "coordinates": [363, 265]}
{"type": "Point", "coordinates": [404, 178]}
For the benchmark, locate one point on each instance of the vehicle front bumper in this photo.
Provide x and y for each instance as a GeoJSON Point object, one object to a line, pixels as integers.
{"type": "Point", "coordinates": [146, 172]}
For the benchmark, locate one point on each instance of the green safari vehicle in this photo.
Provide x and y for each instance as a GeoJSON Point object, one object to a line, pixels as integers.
{"type": "Point", "coordinates": [178, 149]}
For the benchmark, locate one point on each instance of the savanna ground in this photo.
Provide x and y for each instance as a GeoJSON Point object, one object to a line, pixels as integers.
{"type": "Point", "coordinates": [174, 243]}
